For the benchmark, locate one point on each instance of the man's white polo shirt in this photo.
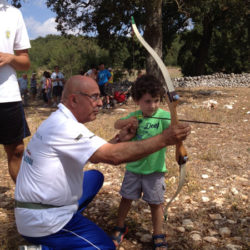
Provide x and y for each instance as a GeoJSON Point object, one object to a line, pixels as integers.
{"type": "Point", "coordinates": [58, 75]}
{"type": "Point", "coordinates": [13, 36]}
{"type": "Point", "coordinates": [52, 173]}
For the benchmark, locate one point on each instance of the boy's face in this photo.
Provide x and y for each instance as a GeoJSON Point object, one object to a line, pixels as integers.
{"type": "Point", "coordinates": [148, 104]}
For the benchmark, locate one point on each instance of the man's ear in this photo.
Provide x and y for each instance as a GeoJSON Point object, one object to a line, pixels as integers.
{"type": "Point", "coordinates": [73, 100]}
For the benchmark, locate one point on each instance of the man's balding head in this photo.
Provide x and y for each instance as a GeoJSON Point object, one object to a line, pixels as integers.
{"type": "Point", "coordinates": [76, 83]}
{"type": "Point", "coordinates": [76, 97]}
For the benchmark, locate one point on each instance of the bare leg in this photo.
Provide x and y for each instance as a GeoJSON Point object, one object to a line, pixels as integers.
{"type": "Point", "coordinates": [14, 155]}
{"type": "Point", "coordinates": [123, 210]}
{"type": "Point", "coordinates": [157, 218]}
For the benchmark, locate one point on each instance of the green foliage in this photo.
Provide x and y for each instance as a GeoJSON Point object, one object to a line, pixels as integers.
{"type": "Point", "coordinates": [72, 54]}
{"type": "Point", "coordinates": [219, 41]}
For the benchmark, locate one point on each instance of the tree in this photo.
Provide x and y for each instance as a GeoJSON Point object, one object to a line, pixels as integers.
{"type": "Point", "coordinates": [110, 20]}
{"type": "Point", "coordinates": [219, 40]}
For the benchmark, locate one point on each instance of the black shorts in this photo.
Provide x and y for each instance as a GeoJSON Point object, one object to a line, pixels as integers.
{"type": "Point", "coordinates": [13, 125]}
{"type": "Point", "coordinates": [33, 90]}
{"type": "Point", "coordinates": [108, 89]}
{"type": "Point", "coordinates": [101, 87]}
{"type": "Point", "coordinates": [57, 90]}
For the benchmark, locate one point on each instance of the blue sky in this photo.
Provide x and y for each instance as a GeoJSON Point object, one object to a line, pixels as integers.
{"type": "Point", "coordinates": [39, 20]}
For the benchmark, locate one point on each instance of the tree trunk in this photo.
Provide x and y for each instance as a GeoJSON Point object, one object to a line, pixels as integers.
{"type": "Point", "coordinates": [202, 52]}
{"type": "Point", "coordinates": [153, 34]}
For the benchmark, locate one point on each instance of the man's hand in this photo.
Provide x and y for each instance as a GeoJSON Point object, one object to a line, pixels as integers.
{"type": "Point", "coordinates": [127, 133]}
{"type": "Point", "coordinates": [5, 58]}
{"type": "Point", "coordinates": [19, 61]}
{"type": "Point", "coordinates": [176, 133]}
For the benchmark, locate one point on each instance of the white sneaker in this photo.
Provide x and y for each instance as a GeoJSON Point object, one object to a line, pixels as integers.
{"type": "Point", "coordinates": [32, 247]}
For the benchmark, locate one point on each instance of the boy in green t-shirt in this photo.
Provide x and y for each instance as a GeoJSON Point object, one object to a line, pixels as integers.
{"type": "Point", "coordinates": [145, 176]}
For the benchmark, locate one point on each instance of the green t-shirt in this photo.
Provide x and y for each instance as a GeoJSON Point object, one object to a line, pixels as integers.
{"type": "Point", "coordinates": [147, 128]}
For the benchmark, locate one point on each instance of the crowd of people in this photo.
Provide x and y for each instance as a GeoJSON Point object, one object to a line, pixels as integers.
{"type": "Point", "coordinates": [49, 87]}
{"type": "Point", "coordinates": [52, 187]}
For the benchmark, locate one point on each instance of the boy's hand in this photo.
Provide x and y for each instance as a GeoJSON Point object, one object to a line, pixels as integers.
{"type": "Point", "coordinates": [133, 121]}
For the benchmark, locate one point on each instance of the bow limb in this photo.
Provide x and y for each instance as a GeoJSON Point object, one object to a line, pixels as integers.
{"type": "Point", "coordinates": [181, 153]}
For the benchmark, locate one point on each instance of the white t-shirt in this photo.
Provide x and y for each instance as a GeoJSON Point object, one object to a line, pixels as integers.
{"type": "Point", "coordinates": [58, 75]}
{"type": "Point", "coordinates": [13, 36]}
{"type": "Point", "coordinates": [51, 172]}
{"type": "Point", "coordinates": [43, 81]}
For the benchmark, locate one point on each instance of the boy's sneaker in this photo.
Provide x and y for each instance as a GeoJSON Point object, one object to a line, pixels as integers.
{"type": "Point", "coordinates": [32, 247]}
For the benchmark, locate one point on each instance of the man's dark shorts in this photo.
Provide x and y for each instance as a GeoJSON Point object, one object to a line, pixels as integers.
{"type": "Point", "coordinates": [101, 87]}
{"type": "Point", "coordinates": [13, 125]}
{"type": "Point", "coordinates": [33, 90]}
{"type": "Point", "coordinates": [57, 90]}
{"type": "Point", "coordinates": [108, 89]}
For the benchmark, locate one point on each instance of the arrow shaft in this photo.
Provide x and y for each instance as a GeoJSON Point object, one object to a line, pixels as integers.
{"type": "Point", "coordinates": [182, 120]}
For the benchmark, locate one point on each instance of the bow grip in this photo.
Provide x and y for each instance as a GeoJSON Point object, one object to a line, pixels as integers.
{"type": "Point", "coordinates": [181, 154]}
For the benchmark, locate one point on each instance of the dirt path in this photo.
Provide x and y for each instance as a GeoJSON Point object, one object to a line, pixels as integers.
{"type": "Point", "coordinates": [212, 211]}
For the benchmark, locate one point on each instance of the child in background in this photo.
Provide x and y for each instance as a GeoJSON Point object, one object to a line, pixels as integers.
{"type": "Point", "coordinates": [145, 177]}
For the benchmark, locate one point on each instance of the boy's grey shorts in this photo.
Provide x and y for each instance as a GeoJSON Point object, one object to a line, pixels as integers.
{"type": "Point", "coordinates": [152, 186]}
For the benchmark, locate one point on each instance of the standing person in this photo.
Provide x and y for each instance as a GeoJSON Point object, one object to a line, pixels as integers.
{"type": "Point", "coordinates": [52, 190]}
{"type": "Point", "coordinates": [14, 45]}
{"type": "Point", "coordinates": [43, 84]}
{"type": "Point", "coordinates": [48, 87]}
{"type": "Point", "coordinates": [23, 85]}
{"type": "Point", "coordinates": [92, 72]}
{"type": "Point", "coordinates": [33, 86]}
{"type": "Point", "coordinates": [111, 79]}
{"type": "Point", "coordinates": [103, 77]}
{"type": "Point", "coordinates": [57, 79]}
{"type": "Point", "coordinates": [145, 176]}
{"type": "Point", "coordinates": [139, 74]}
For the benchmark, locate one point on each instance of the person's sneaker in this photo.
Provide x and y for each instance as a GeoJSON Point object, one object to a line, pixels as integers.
{"type": "Point", "coordinates": [31, 247]}
{"type": "Point", "coordinates": [108, 106]}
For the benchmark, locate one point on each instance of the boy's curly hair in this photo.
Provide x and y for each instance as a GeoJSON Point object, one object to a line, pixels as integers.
{"type": "Point", "coordinates": [147, 84]}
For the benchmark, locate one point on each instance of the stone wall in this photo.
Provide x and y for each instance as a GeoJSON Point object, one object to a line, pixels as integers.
{"type": "Point", "coordinates": [215, 80]}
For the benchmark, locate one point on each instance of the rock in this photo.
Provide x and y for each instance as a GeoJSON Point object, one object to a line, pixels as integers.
{"type": "Point", "coordinates": [205, 199]}
{"type": "Point", "coordinates": [180, 229]}
{"type": "Point", "coordinates": [234, 191]}
{"type": "Point", "coordinates": [231, 221]}
{"type": "Point", "coordinates": [172, 180]}
{"type": "Point", "coordinates": [146, 238]}
{"type": "Point", "coordinates": [225, 231]}
{"type": "Point", "coordinates": [215, 216]}
{"type": "Point", "coordinates": [188, 224]}
{"type": "Point", "coordinates": [244, 197]}
{"type": "Point", "coordinates": [107, 183]}
{"type": "Point", "coordinates": [196, 237]}
{"type": "Point", "coordinates": [233, 247]}
{"type": "Point", "coordinates": [219, 202]}
{"type": "Point", "coordinates": [228, 106]}
{"type": "Point", "coordinates": [212, 232]}
{"type": "Point", "coordinates": [210, 239]}
{"type": "Point", "coordinates": [204, 176]}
